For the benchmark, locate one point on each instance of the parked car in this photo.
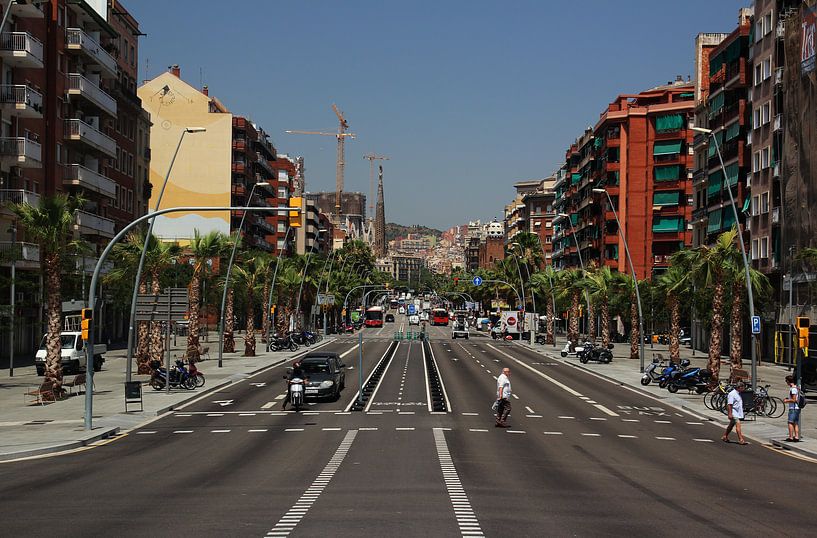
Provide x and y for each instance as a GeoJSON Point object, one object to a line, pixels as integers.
{"type": "Point", "coordinates": [414, 319]}
{"type": "Point", "coordinates": [389, 318]}
{"type": "Point", "coordinates": [326, 373]}
{"type": "Point", "coordinates": [401, 310]}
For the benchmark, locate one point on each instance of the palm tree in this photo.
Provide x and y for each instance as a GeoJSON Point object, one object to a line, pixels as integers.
{"type": "Point", "coordinates": [158, 258]}
{"type": "Point", "coordinates": [250, 276]}
{"type": "Point", "coordinates": [544, 282]}
{"type": "Point", "coordinates": [289, 280]}
{"type": "Point", "coordinates": [674, 283]}
{"type": "Point", "coordinates": [600, 284]}
{"type": "Point", "coordinates": [203, 249]}
{"type": "Point", "coordinates": [761, 288]}
{"type": "Point", "coordinates": [48, 224]}
{"type": "Point", "coordinates": [570, 286]}
{"type": "Point", "coordinates": [125, 257]}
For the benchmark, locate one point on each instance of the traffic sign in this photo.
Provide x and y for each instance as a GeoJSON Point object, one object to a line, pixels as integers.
{"type": "Point", "coordinates": [477, 280]}
{"type": "Point", "coordinates": [755, 324]}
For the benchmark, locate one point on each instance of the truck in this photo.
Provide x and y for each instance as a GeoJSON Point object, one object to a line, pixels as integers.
{"type": "Point", "coordinates": [509, 320]}
{"type": "Point", "coordinates": [72, 353]}
{"type": "Point", "coordinates": [459, 328]}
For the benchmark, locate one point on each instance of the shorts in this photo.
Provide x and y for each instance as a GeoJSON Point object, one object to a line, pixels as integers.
{"type": "Point", "coordinates": [794, 416]}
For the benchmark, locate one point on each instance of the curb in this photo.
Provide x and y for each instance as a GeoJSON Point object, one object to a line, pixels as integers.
{"type": "Point", "coordinates": [61, 447]}
{"type": "Point", "coordinates": [791, 448]}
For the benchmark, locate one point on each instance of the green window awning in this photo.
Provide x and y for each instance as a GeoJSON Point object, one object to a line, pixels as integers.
{"type": "Point", "coordinates": [728, 218]}
{"type": "Point", "coordinates": [574, 218]}
{"type": "Point", "coordinates": [666, 198]}
{"type": "Point", "coordinates": [732, 174]}
{"type": "Point", "coordinates": [714, 184]}
{"type": "Point", "coordinates": [732, 131]}
{"type": "Point", "coordinates": [669, 123]}
{"type": "Point", "coordinates": [715, 63]}
{"type": "Point", "coordinates": [668, 173]}
{"type": "Point", "coordinates": [575, 178]}
{"type": "Point", "coordinates": [716, 103]}
{"type": "Point", "coordinates": [746, 204]}
{"type": "Point", "coordinates": [667, 147]}
{"type": "Point", "coordinates": [714, 223]}
{"type": "Point", "coordinates": [667, 224]}
{"type": "Point", "coordinates": [712, 148]}
{"type": "Point", "coordinates": [733, 51]}
{"type": "Point", "coordinates": [612, 177]}
{"type": "Point", "coordinates": [598, 142]}
{"type": "Point", "coordinates": [686, 95]}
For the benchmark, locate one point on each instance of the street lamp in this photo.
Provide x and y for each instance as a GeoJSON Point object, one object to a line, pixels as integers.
{"type": "Point", "coordinates": [635, 278]}
{"type": "Point", "coordinates": [13, 232]}
{"type": "Point", "coordinates": [329, 261]}
{"type": "Point", "coordinates": [274, 277]}
{"type": "Point", "coordinates": [148, 236]}
{"type": "Point", "coordinates": [229, 270]}
{"type": "Point", "coordinates": [306, 268]}
{"type": "Point", "coordinates": [552, 294]}
{"type": "Point", "coordinates": [532, 294]}
{"type": "Point", "coordinates": [742, 251]}
{"type": "Point", "coordinates": [561, 216]}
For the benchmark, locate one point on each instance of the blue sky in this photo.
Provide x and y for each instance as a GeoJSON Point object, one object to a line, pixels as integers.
{"type": "Point", "coordinates": [465, 97]}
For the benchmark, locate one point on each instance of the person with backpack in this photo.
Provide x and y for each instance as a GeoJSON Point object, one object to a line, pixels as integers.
{"type": "Point", "coordinates": [796, 401]}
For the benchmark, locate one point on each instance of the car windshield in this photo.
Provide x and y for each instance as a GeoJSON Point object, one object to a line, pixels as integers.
{"type": "Point", "coordinates": [315, 367]}
{"type": "Point", "coordinates": [67, 341]}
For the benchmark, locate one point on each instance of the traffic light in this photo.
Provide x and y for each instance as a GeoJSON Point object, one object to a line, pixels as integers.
{"type": "Point", "coordinates": [87, 317]}
{"type": "Point", "coordinates": [296, 202]}
{"type": "Point", "coordinates": [272, 309]}
{"type": "Point", "coordinates": [802, 332]}
{"type": "Point", "coordinates": [456, 280]}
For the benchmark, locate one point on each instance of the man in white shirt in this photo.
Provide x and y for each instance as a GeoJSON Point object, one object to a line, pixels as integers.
{"type": "Point", "coordinates": [734, 406]}
{"type": "Point", "coordinates": [503, 397]}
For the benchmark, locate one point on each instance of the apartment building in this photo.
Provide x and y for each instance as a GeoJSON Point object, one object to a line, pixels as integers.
{"type": "Point", "coordinates": [539, 210]}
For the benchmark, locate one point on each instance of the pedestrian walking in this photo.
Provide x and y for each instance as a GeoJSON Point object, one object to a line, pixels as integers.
{"type": "Point", "coordinates": [503, 398]}
{"type": "Point", "coordinates": [794, 410]}
{"type": "Point", "coordinates": [734, 406]}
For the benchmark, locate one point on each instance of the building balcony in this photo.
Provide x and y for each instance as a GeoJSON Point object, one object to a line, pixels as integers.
{"type": "Point", "coordinates": [26, 254]}
{"type": "Point", "coordinates": [262, 223]}
{"type": "Point", "coordinates": [661, 259]}
{"type": "Point", "coordinates": [18, 196]}
{"type": "Point", "coordinates": [79, 131]}
{"type": "Point", "coordinates": [775, 215]}
{"type": "Point", "coordinates": [20, 100]}
{"type": "Point", "coordinates": [90, 224]}
{"type": "Point", "coordinates": [87, 265]}
{"type": "Point", "coordinates": [776, 170]}
{"type": "Point", "coordinates": [77, 40]}
{"type": "Point", "coordinates": [749, 138]}
{"type": "Point", "coordinates": [239, 167]}
{"type": "Point", "coordinates": [240, 144]}
{"type": "Point", "coordinates": [79, 176]}
{"type": "Point", "coordinates": [21, 49]}
{"type": "Point", "coordinates": [699, 214]}
{"type": "Point", "coordinates": [27, 9]}
{"type": "Point", "coordinates": [92, 93]}
{"type": "Point", "coordinates": [264, 164]}
{"type": "Point", "coordinates": [20, 151]}
{"type": "Point", "coordinates": [778, 122]}
{"type": "Point", "coordinates": [778, 76]}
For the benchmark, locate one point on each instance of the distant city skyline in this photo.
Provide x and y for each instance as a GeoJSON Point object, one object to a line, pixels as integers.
{"type": "Point", "coordinates": [465, 103]}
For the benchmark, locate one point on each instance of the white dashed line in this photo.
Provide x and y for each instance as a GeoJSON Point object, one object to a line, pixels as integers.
{"type": "Point", "coordinates": [144, 433]}
{"type": "Point", "coordinates": [663, 421]}
{"type": "Point", "coordinates": [591, 434]}
{"type": "Point", "coordinates": [280, 396]}
{"type": "Point", "coordinates": [290, 520]}
{"type": "Point", "coordinates": [404, 429]}
{"type": "Point", "coordinates": [331, 429]}
{"type": "Point", "coordinates": [666, 438]}
{"type": "Point", "coordinates": [515, 431]}
{"type": "Point", "coordinates": [259, 430]}
{"type": "Point", "coordinates": [368, 429]}
{"type": "Point", "coordinates": [183, 415]}
{"type": "Point", "coordinates": [695, 423]}
{"type": "Point", "coordinates": [476, 430]}
{"type": "Point", "coordinates": [467, 521]}
{"type": "Point", "coordinates": [604, 409]}
{"type": "Point", "coordinates": [534, 416]}
{"type": "Point", "coordinates": [471, 414]}
{"type": "Point", "coordinates": [246, 414]}
{"type": "Point", "coordinates": [628, 436]}
{"type": "Point", "coordinates": [215, 414]}
{"type": "Point", "coordinates": [183, 431]}
{"type": "Point", "coordinates": [267, 405]}
{"type": "Point", "coordinates": [219, 431]}
{"type": "Point", "coordinates": [630, 420]}
{"type": "Point", "coordinates": [597, 418]}
{"type": "Point", "coordinates": [553, 433]}
{"type": "Point", "coordinates": [294, 430]}
{"type": "Point", "coordinates": [529, 409]}
{"type": "Point", "coordinates": [565, 417]}
{"type": "Point", "coordinates": [703, 440]}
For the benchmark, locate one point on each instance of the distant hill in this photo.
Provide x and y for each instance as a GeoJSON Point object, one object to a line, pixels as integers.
{"type": "Point", "coordinates": [394, 230]}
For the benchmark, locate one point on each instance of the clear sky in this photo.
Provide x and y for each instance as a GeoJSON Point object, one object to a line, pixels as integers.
{"type": "Point", "coordinates": [466, 97]}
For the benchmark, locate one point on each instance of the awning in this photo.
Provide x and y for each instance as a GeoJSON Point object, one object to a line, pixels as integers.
{"type": "Point", "coordinates": [712, 148]}
{"type": "Point", "coordinates": [732, 174]}
{"type": "Point", "coordinates": [598, 142]}
{"type": "Point", "coordinates": [667, 224]}
{"type": "Point", "coordinates": [669, 123]}
{"type": "Point", "coordinates": [728, 218]}
{"type": "Point", "coordinates": [746, 204]}
{"type": "Point", "coordinates": [668, 173]}
{"type": "Point", "coordinates": [715, 183]}
{"type": "Point", "coordinates": [667, 147]}
{"type": "Point", "coordinates": [666, 198]}
{"type": "Point", "coordinates": [714, 223]}
{"type": "Point", "coordinates": [574, 218]}
{"type": "Point", "coordinates": [575, 178]}
{"type": "Point", "coordinates": [686, 95]}
{"type": "Point", "coordinates": [733, 131]}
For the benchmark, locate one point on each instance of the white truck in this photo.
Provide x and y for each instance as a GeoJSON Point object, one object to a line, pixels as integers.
{"type": "Point", "coordinates": [510, 321]}
{"type": "Point", "coordinates": [72, 354]}
{"type": "Point", "coordinates": [459, 327]}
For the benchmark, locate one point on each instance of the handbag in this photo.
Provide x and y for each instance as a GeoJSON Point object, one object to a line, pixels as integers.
{"type": "Point", "coordinates": [495, 407]}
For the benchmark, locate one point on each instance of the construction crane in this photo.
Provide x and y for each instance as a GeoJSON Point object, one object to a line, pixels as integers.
{"type": "Point", "coordinates": [341, 136]}
{"type": "Point", "coordinates": [372, 157]}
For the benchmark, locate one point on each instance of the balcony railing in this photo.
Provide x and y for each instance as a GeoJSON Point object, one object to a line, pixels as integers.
{"type": "Point", "coordinates": [778, 75]}
{"type": "Point", "coordinates": [21, 49]}
{"type": "Point", "coordinates": [79, 85]}
{"type": "Point", "coordinates": [775, 215]}
{"type": "Point", "coordinates": [19, 196]}
{"type": "Point", "coordinates": [266, 166]}
{"type": "Point", "coordinates": [91, 224]}
{"type": "Point", "coordinates": [17, 251]}
{"type": "Point", "coordinates": [77, 39]}
{"type": "Point", "coordinates": [21, 152]}
{"type": "Point", "coordinates": [778, 122]}
{"type": "Point", "coordinates": [699, 213]}
{"type": "Point", "coordinates": [78, 175]}
{"type": "Point", "coordinates": [21, 100]}
{"type": "Point", "coordinates": [84, 132]}
{"type": "Point", "coordinates": [661, 259]}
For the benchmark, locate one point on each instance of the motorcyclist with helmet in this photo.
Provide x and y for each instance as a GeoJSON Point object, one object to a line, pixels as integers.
{"type": "Point", "coordinates": [295, 372]}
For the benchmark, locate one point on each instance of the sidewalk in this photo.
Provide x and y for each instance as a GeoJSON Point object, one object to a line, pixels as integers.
{"type": "Point", "coordinates": [625, 371]}
{"type": "Point", "coordinates": [28, 429]}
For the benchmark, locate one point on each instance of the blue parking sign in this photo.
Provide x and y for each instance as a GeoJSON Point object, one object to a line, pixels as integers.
{"type": "Point", "coordinates": [755, 324]}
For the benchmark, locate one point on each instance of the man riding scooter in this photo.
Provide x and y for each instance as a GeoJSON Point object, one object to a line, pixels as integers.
{"type": "Point", "coordinates": [296, 373]}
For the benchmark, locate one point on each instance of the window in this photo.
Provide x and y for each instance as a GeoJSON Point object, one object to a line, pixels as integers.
{"type": "Point", "coordinates": [767, 23]}
{"type": "Point", "coordinates": [116, 200]}
{"type": "Point", "coordinates": [764, 202]}
{"type": "Point", "coordinates": [548, 239]}
{"type": "Point", "coordinates": [118, 156]}
{"type": "Point", "coordinates": [767, 112]}
{"type": "Point", "coordinates": [764, 157]}
{"type": "Point", "coordinates": [764, 247]}
{"type": "Point", "coordinates": [59, 154]}
{"type": "Point", "coordinates": [282, 228]}
{"type": "Point", "coordinates": [758, 74]}
{"type": "Point", "coordinates": [756, 122]}
{"type": "Point", "coordinates": [756, 162]}
{"type": "Point", "coordinates": [282, 192]}
{"type": "Point", "coordinates": [548, 224]}
{"type": "Point", "coordinates": [130, 200]}
{"type": "Point", "coordinates": [758, 31]}
{"type": "Point", "coordinates": [755, 248]}
{"type": "Point", "coordinates": [767, 68]}
{"type": "Point", "coordinates": [132, 56]}
{"type": "Point", "coordinates": [755, 205]}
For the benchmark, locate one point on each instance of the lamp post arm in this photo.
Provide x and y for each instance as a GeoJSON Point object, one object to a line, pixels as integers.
{"type": "Point", "coordinates": [275, 276]}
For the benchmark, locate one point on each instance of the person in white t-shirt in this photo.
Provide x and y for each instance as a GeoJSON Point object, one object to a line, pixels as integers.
{"type": "Point", "coordinates": [734, 406]}
{"type": "Point", "coordinates": [503, 397]}
{"type": "Point", "coordinates": [794, 410]}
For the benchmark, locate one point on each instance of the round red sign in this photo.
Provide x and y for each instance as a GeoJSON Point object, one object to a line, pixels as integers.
{"type": "Point", "coordinates": [511, 321]}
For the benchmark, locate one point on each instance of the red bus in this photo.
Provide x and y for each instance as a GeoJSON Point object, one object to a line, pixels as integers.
{"type": "Point", "coordinates": [439, 316]}
{"type": "Point", "coordinates": [374, 316]}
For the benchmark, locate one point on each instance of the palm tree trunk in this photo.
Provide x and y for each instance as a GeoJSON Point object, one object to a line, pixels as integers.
{"type": "Point", "coordinates": [193, 334]}
{"type": "Point", "coordinates": [229, 322]}
{"type": "Point", "coordinates": [249, 337]}
{"type": "Point", "coordinates": [675, 328]}
{"type": "Point", "coordinates": [266, 314]}
{"type": "Point", "coordinates": [715, 336]}
{"type": "Point", "coordinates": [53, 344]}
{"type": "Point", "coordinates": [143, 337]}
{"type": "Point", "coordinates": [591, 322]}
{"type": "Point", "coordinates": [573, 333]}
{"type": "Point", "coordinates": [605, 323]}
{"type": "Point", "coordinates": [550, 323]}
{"type": "Point", "coordinates": [634, 333]}
{"type": "Point", "coordinates": [736, 328]}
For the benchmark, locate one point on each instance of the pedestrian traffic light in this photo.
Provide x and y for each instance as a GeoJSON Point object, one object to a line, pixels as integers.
{"type": "Point", "coordinates": [456, 281]}
{"type": "Point", "coordinates": [296, 202]}
{"type": "Point", "coordinates": [87, 317]}
{"type": "Point", "coordinates": [802, 332]}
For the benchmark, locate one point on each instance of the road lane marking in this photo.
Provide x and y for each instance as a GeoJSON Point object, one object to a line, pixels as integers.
{"type": "Point", "coordinates": [695, 423]}
{"type": "Point", "coordinates": [404, 429]}
{"type": "Point", "coordinates": [553, 433]}
{"type": "Point", "coordinates": [591, 434]}
{"type": "Point", "coordinates": [246, 414]}
{"type": "Point", "coordinates": [703, 440]}
{"type": "Point", "coordinates": [597, 418]}
{"type": "Point", "coordinates": [563, 416]}
{"type": "Point", "coordinates": [368, 429]}
{"type": "Point", "coordinates": [605, 410]}
{"type": "Point", "coordinates": [215, 414]}
{"type": "Point", "coordinates": [183, 431]}
{"type": "Point", "coordinates": [628, 436]}
{"type": "Point", "coordinates": [515, 431]}
{"type": "Point", "coordinates": [144, 433]}
{"type": "Point", "coordinates": [477, 430]}
{"type": "Point", "coordinates": [534, 416]}
{"type": "Point", "coordinates": [630, 420]}
{"type": "Point", "coordinates": [183, 415]}
{"type": "Point", "coordinates": [663, 421]}
{"type": "Point", "coordinates": [219, 431]}
{"type": "Point", "coordinates": [267, 405]}
{"type": "Point", "coordinates": [293, 429]}
{"type": "Point", "coordinates": [529, 409]}
{"type": "Point", "coordinates": [293, 516]}
{"type": "Point", "coordinates": [666, 438]}
{"type": "Point", "coordinates": [257, 430]}
{"type": "Point", "coordinates": [331, 429]}
{"type": "Point", "coordinates": [470, 414]}
{"type": "Point", "coordinates": [466, 520]}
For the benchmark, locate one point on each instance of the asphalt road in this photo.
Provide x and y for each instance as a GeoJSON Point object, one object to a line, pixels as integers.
{"type": "Point", "coordinates": [582, 457]}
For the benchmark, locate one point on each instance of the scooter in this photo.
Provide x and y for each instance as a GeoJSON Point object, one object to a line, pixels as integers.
{"type": "Point", "coordinates": [651, 373]}
{"type": "Point", "coordinates": [690, 378]}
{"type": "Point", "coordinates": [592, 352]}
{"type": "Point", "coordinates": [194, 372]}
{"type": "Point", "coordinates": [296, 392]}
{"type": "Point", "coordinates": [179, 376]}
{"type": "Point", "coordinates": [576, 349]}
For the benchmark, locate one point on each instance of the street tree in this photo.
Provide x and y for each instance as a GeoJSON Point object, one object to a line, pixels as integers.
{"type": "Point", "coordinates": [203, 249]}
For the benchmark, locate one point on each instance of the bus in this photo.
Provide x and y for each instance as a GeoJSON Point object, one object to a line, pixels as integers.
{"type": "Point", "coordinates": [374, 316]}
{"type": "Point", "coordinates": [393, 304]}
{"type": "Point", "coordinates": [439, 316]}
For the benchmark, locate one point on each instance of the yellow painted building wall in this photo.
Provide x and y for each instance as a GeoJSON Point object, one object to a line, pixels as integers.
{"type": "Point", "coordinates": [201, 175]}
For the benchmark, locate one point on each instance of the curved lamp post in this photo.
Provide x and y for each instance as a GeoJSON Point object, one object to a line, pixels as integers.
{"type": "Point", "coordinates": [274, 277]}
{"type": "Point", "coordinates": [635, 279]}
{"type": "Point", "coordinates": [230, 269]}
{"type": "Point", "coordinates": [306, 268]}
{"type": "Point", "coordinates": [148, 236]}
{"type": "Point", "coordinates": [552, 294]}
{"type": "Point", "coordinates": [527, 271]}
{"type": "Point", "coordinates": [578, 251]}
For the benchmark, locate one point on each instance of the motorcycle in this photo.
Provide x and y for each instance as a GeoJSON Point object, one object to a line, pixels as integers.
{"type": "Point", "coordinates": [592, 352]}
{"type": "Point", "coordinates": [651, 372]}
{"type": "Point", "coordinates": [278, 343]}
{"type": "Point", "coordinates": [541, 339]}
{"type": "Point", "coordinates": [179, 376]}
{"type": "Point", "coordinates": [689, 378]}
{"type": "Point", "coordinates": [296, 392]}
{"type": "Point", "coordinates": [572, 349]}
{"type": "Point", "coordinates": [194, 372]}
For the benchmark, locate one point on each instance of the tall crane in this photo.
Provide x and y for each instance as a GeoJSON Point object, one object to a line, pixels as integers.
{"type": "Point", "coordinates": [372, 157]}
{"type": "Point", "coordinates": [341, 136]}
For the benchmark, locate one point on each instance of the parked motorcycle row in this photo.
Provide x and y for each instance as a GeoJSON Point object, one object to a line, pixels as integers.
{"type": "Point", "coordinates": [674, 376]}
{"type": "Point", "coordinates": [588, 351]}
{"type": "Point", "coordinates": [182, 375]}
{"type": "Point", "coordinates": [291, 341]}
